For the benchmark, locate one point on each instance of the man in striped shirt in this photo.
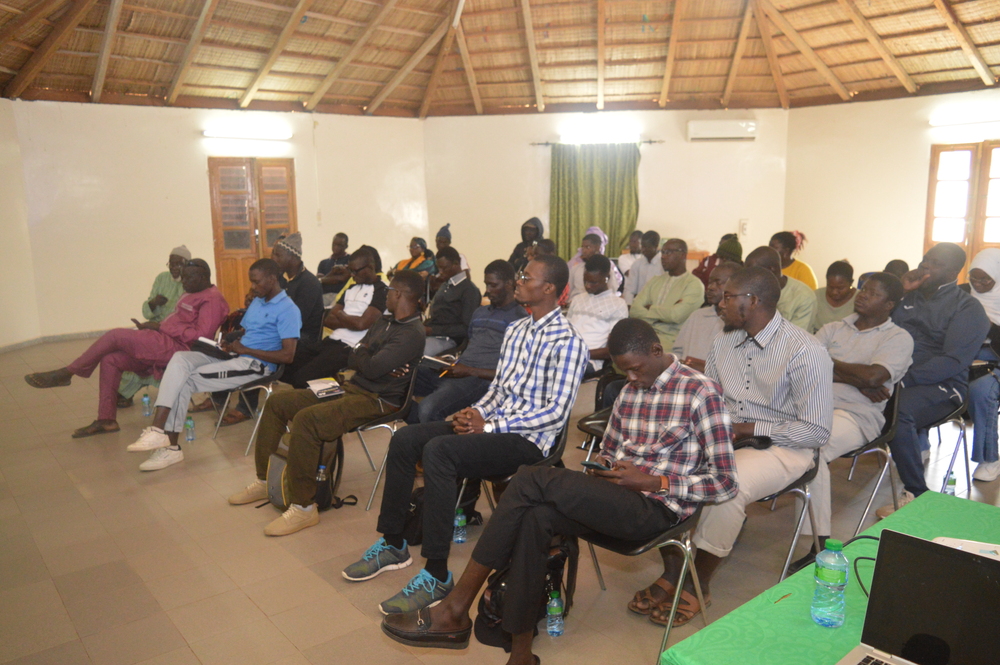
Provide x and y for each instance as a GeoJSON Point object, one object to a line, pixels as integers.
{"type": "Point", "coordinates": [669, 443]}
{"type": "Point", "coordinates": [517, 421]}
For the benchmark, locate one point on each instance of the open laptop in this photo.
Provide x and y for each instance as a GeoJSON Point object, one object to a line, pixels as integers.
{"type": "Point", "coordinates": [930, 604]}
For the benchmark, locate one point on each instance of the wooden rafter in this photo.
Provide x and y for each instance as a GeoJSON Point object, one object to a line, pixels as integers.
{"type": "Point", "coordinates": [197, 34]}
{"type": "Point", "coordinates": [671, 52]}
{"type": "Point", "coordinates": [470, 73]}
{"type": "Point", "coordinates": [446, 46]}
{"type": "Point", "coordinates": [60, 33]}
{"type": "Point", "coordinates": [352, 53]}
{"type": "Point", "coordinates": [291, 25]}
{"type": "Point", "coordinates": [529, 37]}
{"type": "Point", "coordinates": [876, 41]}
{"type": "Point", "coordinates": [601, 53]}
{"type": "Point", "coordinates": [965, 41]}
{"type": "Point", "coordinates": [13, 26]}
{"type": "Point", "coordinates": [764, 27]}
{"type": "Point", "coordinates": [414, 60]}
{"type": "Point", "coordinates": [104, 55]}
{"type": "Point", "coordinates": [741, 45]}
{"type": "Point", "coordinates": [793, 35]}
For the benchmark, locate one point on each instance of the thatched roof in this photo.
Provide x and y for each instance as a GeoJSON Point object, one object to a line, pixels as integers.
{"type": "Point", "coordinates": [448, 57]}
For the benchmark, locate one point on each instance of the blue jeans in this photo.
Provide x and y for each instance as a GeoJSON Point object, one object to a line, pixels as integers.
{"type": "Point", "coordinates": [920, 406]}
{"type": "Point", "coordinates": [444, 396]}
{"type": "Point", "coordinates": [984, 402]}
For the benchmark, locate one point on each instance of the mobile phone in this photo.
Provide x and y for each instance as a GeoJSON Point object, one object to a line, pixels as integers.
{"type": "Point", "coordinates": [595, 465]}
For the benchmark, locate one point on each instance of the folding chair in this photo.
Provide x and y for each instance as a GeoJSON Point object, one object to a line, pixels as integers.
{"type": "Point", "coordinates": [264, 384]}
{"type": "Point", "coordinates": [962, 442]}
{"type": "Point", "coordinates": [593, 426]}
{"type": "Point", "coordinates": [801, 488]}
{"type": "Point", "coordinates": [387, 421]}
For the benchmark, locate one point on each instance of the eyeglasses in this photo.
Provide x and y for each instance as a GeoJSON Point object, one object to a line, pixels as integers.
{"type": "Point", "coordinates": [672, 251]}
{"type": "Point", "coordinates": [726, 297]}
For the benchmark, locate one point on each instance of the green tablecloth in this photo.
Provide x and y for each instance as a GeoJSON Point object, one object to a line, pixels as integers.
{"type": "Point", "coordinates": [765, 631]}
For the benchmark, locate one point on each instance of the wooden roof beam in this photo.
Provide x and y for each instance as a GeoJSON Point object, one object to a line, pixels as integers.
{"type": "Point", "coordinates": [470, 73]}
{"type": "Point", "coordinates": [601, 53]}
{"type": "Point", "coordinates": [197, 34]}
{"type": "Point", "coordinates": [789, 31]}
{"type": "Point", "coordinates": [104, 55]}
{"type": "Point", "coordinates": [764, 26]}
{"type": "Point", "coordinates": [876, 41]}
{"type": "Point", "coordinates": [352, 53]}
{"type": "Point", "coordinates": [414, 60]}
{"type": "Point", "coordinates": [443, 52]}
{"type": "Point", "coordinates": [965, 41]}
{"type": "Point", "coordinates": [741, 45]}
{"type": "Point", "coordinates": [291, 25]}
{"type": "Point", "coordinates": [529, 37]}
{"type": "Point", "coordinates": [38, 60]}
{"type": "Point", "coordinates": [671, 53]}
{"type": "Point", "coordinates": [13, 26]}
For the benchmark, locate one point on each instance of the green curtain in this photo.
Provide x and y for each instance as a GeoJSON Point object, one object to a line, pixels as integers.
{"type": "Point", "coordinates": [593, 185]}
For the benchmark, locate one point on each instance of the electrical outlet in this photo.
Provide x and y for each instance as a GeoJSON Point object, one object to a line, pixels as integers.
{"type": "Point", "coordinates": [744, 228]}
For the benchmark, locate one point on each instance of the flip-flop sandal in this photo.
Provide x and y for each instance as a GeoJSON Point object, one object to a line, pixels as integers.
{"type": "Point", "coordinates": [234, 418]}
{"type": "Point", "coordinates": [93, 429]}
{"type": "Point", "coordinates": [643, 603]}
{"type": "Point", "coordinates": [688, 610]}
{"type": "Point", "coordinates": [124, 402]}
{"type": "Point", "coordinates": [204, 405]}
{"type": "Point", "coordinates": [45, 380]}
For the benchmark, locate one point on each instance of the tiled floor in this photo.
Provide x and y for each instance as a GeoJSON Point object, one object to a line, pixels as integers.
{"type": "Point", "coordinates": [103, 564]}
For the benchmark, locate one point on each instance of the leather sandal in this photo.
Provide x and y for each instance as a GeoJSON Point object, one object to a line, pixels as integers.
{"type": "Point", "coordinates": [204, 405]}
{"type": "Point", "coordinates": [644, 602]}
{"type": "Point", "coordinates": [46, 380]}
{"type": "Point", "coordinates": [415, 629]}
{"type": "Point", "coordinates": [234, 418]}
{"type": "Point", "coordinates": [96, 427]}
{"type": "Point", "coordinates": [687, 610]}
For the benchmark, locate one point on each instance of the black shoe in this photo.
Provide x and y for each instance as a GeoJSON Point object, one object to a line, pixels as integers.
{"type": "Point", "coordinates": [414, 629]}
{"type": "Point", "coordinates": [804, 562]}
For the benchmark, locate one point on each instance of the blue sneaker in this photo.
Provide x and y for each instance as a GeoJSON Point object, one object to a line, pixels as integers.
{"type": "Point", "coordinates": [424, 590]}
{"type": "Point", "coordinates": [379, 558]}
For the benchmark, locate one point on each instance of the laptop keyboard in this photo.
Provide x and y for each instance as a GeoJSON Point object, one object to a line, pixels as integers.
{"type": "Point", "coordinates": [872, 660]}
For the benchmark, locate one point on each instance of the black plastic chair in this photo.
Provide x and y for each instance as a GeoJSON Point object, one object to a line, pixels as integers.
{"type": "Point", "coordinates": [678, 536]}
{"type": "Point", "coordinates": [593, 426]}
{"type": "Point", "coordinates": [264, 384]}
{"type": "Point", "coordinates": [387, 421]}
{"type": "Point", "coordinates": [801, 488]}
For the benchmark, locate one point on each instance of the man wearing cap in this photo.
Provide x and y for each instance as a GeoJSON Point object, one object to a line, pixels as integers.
{"type": "Point", "coordinates": [302, 286]}
{"type": "Point", "coordinates": [443, 240]}
{"type": "Point", "coordinates": [729, 249]}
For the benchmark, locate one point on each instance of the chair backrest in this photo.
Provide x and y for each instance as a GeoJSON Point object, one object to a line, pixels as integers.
{"type": "Point", "coordinates": [404, 410]}
{"type": "Point", "coordinates": [557, 449]}
{"type": "Point", "coordinates": [891, 413]}
{"type": "Point", "coordinates": [264, 380]}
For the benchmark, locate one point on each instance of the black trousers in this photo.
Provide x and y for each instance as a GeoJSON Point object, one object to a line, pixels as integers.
{"type": "Point", "coordinates": [447, 457]}
{"type": "Point", "coordinates": [316, 360]}
{"type": "Point", "coordinates": [543, 502]}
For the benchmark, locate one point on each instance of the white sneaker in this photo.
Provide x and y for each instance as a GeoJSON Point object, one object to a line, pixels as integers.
{"type": "Point", "coordinates": [987, 471]}
{"type": "Point", "coordinates": [150, 439]}
{"type": "Point", "coordinates": [904, 499]}
{"type": "Point", "coordinates": [162, 458]}
{"type": "Point", "coordinates": [255, 491]}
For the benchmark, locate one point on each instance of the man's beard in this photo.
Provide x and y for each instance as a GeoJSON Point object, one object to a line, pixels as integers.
{"type": "Point", "coordinates": [729, 328]}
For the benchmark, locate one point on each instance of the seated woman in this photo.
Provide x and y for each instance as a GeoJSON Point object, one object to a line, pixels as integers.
{"type": "Point", "coordinates": [420, 260]}
{"type": "Point", "coordinates": [984, 392]}
{"type": "Point", "coordinates": [787, 243]}
{"type": "Point", "coordinates": [835, 300]}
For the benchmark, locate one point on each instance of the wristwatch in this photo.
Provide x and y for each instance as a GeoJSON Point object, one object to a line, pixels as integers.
{"type": "Point", "coordinates": [488, 428]}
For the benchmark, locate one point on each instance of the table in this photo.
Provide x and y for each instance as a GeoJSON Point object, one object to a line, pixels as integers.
{"type": "Point", "coordinates": [770, 631]}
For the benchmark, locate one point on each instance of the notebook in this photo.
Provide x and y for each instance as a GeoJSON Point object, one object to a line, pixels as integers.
{"type": "Point", "coordinates": [930, 604]}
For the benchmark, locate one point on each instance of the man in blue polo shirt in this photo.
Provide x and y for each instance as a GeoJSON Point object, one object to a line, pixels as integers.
{"type": "Point", "coordinates": [271, 328]}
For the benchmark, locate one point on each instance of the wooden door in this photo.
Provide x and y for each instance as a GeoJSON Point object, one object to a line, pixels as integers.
{"type": "Point", "coordinates": [253, 203]}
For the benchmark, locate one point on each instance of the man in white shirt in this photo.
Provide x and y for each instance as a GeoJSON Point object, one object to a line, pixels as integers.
{"type": "Point", "coordinates": [633, 252]}
{"type": "Point", "coordinates": [596, 311]}
{"type": "Point", "coordinates": [694, 341]}
{"type": "Point", "coordinates": [645, 267]}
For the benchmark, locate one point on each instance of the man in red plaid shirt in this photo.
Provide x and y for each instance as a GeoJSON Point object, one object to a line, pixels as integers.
{"type": "Point", "coordinates": [668, 444]}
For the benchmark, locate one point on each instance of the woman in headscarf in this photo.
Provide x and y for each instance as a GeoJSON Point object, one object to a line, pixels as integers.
{"type": "Point", "coordinates": [984, 392]}
{"type": "Point", "coordinates": [420, 259]}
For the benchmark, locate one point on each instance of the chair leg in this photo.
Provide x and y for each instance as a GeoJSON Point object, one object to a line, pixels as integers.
{"type": "Point", "coordinates": [260, 414]}
{"type": "Point", "coordinates": [378, 478]}
{"type": "Point", "coordinates": [850, 475]}
{"type": "Point", "coordinates": [694, 579]}
{"type": "Point", "coordinates": [774, 503]}
{"type": "Point", "coordinates": [458, 503]}
{"type": "Point", "coordinates": [489, 496]}
{"type": "Point", "coordinates": [812, 520]}
{"type": "Point", "coordinates": [590, 448]}
{"type": "Point", "coordinates": [222, 414]}
{"type": "Point", "coordinates": [871, 499]}
{"type": "Point", "coordinates": [364, 446]}
{"type": "Point", "coordinates": [597, 567]}
{"type": "Point", "coordinates": [687, 563]}
{"type": "Point", "coordinates": [798, 530]}
{"type": "Point", "coordinates": [954, 456]}
{"type": "Point", "coordinates": [968, 476]}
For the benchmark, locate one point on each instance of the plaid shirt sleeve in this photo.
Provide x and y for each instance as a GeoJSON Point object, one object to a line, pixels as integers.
{"type": "Point", "coordinates": [715, 480]}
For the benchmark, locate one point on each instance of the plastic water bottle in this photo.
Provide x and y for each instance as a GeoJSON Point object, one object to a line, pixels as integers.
{"type": "Point", "coordinates": [189, 429]}
{"type": "Point", "coordinates": [147, 406]}
{"type": "Point", "coordinates": [950, 487]}
{"type": "Point", "coordinates": [321, 474]}
{"type": "Point", "coordinates": [831, 580]}
{"type": "Point", "coordinates": [554, 614]}
{"type": "Point", "coordinates": [460, 531]}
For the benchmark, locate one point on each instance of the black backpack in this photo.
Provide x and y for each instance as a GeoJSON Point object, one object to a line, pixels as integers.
{"type": "Point", "coordinates": [413, 527]}
{"type": "Point", "coordinates": [331, 455]}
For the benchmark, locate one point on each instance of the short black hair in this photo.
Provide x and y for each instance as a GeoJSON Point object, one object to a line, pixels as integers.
{"type": "Point", "coordinates": [761, 282]}
{"type": "Point", "coordinates": [952, 253]}
{"type": "Point", "coordinates": [841, 269]}
{"type": "Point", "coordinates": [598, 263]}
{"type": "Point", "coordinates": [412, 281]}
{"type": "Point", "coordinates": [202, 265]}
{"type": "Point", "coordinates": [893, 288]}
{"type": "Point", "coordinates": [501, 269]}
{"type": "Point", "coordinates": [372, 255]}
{"type": "Point", "coordinates": [786, 239]}
{"type": "Point", "coordinates": [680, 242]}
{"type": "Point", "coordinates": [556, 272]}
{"type": "Point", "coordinates": [547, 245]}
{"type": "Point", "coordinates": [266, 266]}
{"type": "Point", "coordinates": [651, 239]}
{"type": "Point", "coordinates": [449, 253]}
{"type": "Point", "coordinates": [635, 233]}
{"type": "Point", "coordinates": [897, 267]}
{"type": "Point", "coordinates": [342, 235]}
{"type": "Point", "coordinates": [632, 336]}
{"type": "Point", "coordinates": [592, 237]}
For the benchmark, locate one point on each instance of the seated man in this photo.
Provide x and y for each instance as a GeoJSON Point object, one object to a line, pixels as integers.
{"type": "Point", "coordinates": [451, 309]}
{"type": "Point", "coordinates": [145, 351]}
{"type": "Point", "coordinates": [517, 422]}
{"type": "Point", "coordinates": [778, 383]}
{"type": "Point", "coordinates": [694, 340]}
{"type": "Point", "coordinates": [633, 252]}
{"type": "Point", "coordinates": [358, 308]}
{"type": "Point", "coordinates": [729, 249]}
{"type": "Point", "coordinates": [596, 311]}
{"type": "Point", "coordinates": [870, 354]}
{"type": "Point", "coordinates": [645, 266]}
{"type": "Point", "coordinates": [590, 246]}
{"type": "Point", "coordinates": [669, 443]}
{"type": "Point", "coordinates": [466, 382]}
{"type": "Point", "coordinates": [333, 272]}
{"type": "Point", "coordinates": [798, 301]}
{"type": "Point", "coordinates": [948, 327]}
{"type": "Point", "coordinates": [670, 298]}
{"type": "Point", "coordinates": [271, 330]}
{"type": "Point", "coordinates": [394, 341]}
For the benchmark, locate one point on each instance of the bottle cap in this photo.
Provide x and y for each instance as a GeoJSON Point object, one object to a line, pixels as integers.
{"type": "Point", "coordinates": [834, 545]}
{"type": "Point", "coordinates": [554, 594]}
{"type": "Point", "coordinates": [459, 511]}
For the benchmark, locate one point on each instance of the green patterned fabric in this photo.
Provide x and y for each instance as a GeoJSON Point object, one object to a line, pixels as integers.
{"type": "Point", "coordinates": [770, 631]}
{"type": "Point", "coordinates": [593, 185]}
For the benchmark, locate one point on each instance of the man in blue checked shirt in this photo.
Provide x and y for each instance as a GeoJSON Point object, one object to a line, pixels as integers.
{"type": "Point", "coordinates": [542, 360]}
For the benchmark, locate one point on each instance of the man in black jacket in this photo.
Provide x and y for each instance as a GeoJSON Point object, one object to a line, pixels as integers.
{"type": "Point", "coordinates": [392, 342]}
{"type": "Point", "coordinates": [451, 310]}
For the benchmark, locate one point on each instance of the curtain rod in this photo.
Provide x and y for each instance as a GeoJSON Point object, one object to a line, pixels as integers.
{"type": "Point", "coordinates": [557, 143]}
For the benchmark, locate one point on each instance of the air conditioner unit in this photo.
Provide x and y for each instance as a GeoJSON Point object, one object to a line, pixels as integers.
{"type": "Point", "coordinates": [722, 130]}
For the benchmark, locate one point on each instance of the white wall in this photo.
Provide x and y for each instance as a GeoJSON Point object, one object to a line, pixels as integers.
{"type": "Point", "coordinates": [858, 173]}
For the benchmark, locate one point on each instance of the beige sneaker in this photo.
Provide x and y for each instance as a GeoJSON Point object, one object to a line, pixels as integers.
{"type": "Point", "coordinates": [292, 520]}
{"type": "Point", "coordinates": [885, 511]}
{"type": "Point", "coordinates": [255, 491]}
{"type": "Point", "coordinates": [150, 439]}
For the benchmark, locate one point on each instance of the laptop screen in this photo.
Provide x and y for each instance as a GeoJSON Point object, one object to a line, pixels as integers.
{"type": "Point", "coordinates": [932, 604]}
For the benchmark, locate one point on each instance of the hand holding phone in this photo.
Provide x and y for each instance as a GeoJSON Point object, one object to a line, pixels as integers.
{"type": "Point", "coordinates": [589, 464]}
